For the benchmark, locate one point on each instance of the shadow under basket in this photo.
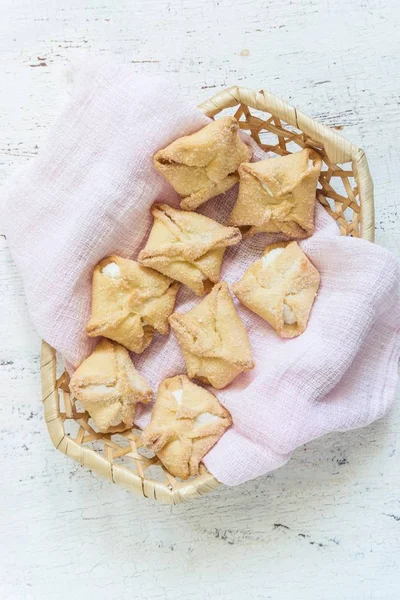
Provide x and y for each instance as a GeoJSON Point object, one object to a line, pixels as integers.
{"type": "Point", "coordinates": [345, 190]}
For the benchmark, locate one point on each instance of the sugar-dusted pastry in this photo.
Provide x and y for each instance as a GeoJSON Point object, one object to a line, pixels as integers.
{"type": "Point", "coordinates": [278, 195]}
{"type": "Point", "coordinates": [130, 302]}
{"type": "Point", "coordinates": [204, 164]}
{"type": "Point", "coordinates": [186, 422]}
{"type": "Point", "coordinates": [109, 387]}
{"type": "Point", "coordinates": [280, 287]}
{"type": "Point", "coordinates": [213, 339]}
{"type": "Point", "coordinates": [187, 247]}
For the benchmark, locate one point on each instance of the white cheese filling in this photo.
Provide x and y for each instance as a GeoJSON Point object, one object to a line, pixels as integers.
{"type": "Point", "coordinates": [288, 315]}
{"type": "Point", "coordinates": [266, 188]}
{"type": "Point", "coordinates": [206, 417]}
{"type": "Point", "coordinates": [100, 388]}
{"type": "Point", "coordinates": [117, 419]}
{"type": "Point", "coordinates": [112, 270]}
{"type": "Point", "coordinates": [177, 394]}
{"type": "Point", "coordinates": [271, 256]}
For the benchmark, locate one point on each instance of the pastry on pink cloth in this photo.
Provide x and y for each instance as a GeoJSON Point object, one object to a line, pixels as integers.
{"type": "Point", "coordinates": [88, 195]}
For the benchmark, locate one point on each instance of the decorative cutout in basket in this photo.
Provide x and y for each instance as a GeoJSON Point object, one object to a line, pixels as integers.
{"type": "Point", "coordinates": [347, 194]}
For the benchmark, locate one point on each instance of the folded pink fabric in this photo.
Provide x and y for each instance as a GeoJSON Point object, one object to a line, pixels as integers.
{"type": "Point", "coordinates": [88, 194]}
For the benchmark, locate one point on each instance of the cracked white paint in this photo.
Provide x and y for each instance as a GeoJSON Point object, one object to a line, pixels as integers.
{"type": "Point", "coordinates": [324, 526]}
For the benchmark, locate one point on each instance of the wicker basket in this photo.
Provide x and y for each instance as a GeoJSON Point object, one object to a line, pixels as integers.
{"type": "Point", "coordinates": [347, 194]}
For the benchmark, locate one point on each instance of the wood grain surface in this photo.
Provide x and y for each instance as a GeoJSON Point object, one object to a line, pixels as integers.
{"type": "Point", "coordinates": [328, 524]}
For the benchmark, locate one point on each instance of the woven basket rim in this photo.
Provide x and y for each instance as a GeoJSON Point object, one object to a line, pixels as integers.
{"type": "Point", "coordinates": [339, 150]}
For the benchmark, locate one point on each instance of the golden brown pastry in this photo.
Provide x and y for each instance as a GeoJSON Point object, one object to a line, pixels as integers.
{"type": "Point", "coordinates": [278, 195]}
{"type": "Point", "coordinates": [109, 387]}
{"type": "Point", "coordinates": [280, 288]}
{"type": "Point", "coordinates": [130, 302]}
{"type": "Point", "coordinates": [204, 164]}
{"type": "Point", "coordinates": [213, 339]}
{"type": "Point", "coordinates": [186, 422]}
{"type": "Point", "coordinates": [187, 247]}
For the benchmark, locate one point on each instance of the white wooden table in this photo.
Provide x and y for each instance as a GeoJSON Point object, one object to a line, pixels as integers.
{"type": "Point", "coordinates": [328, 524]}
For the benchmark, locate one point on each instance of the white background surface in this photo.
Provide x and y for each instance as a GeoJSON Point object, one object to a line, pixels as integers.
{"type": "Point", "coordinates": [328, 524]}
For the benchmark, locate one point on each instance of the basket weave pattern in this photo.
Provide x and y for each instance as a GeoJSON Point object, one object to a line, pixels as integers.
{"type": "Point", "coordinates": [345, 190]}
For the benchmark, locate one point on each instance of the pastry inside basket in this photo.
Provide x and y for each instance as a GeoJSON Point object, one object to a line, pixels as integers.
{"type": "Point", "coordinates": [204, 164]}
{"type": "Point", "coordinates": [187, 246]}
{"type": "Point", "coordinates": [186, 422]}
{"type": "Point", "coordinates": [278, 195]}
{"type": "Point", "coordinates": [130, 302]}
{"type": "Point", "coordinates": [109, 387]}
{"type": "Point", "coordinates": [213, 339]}
{"type": "Point", "coordinates": [281, 288]}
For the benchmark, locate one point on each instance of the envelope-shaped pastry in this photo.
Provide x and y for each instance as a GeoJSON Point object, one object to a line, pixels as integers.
{"type": "Point", "coordinates": [187, 247]}
{"type": "Point", "coordinates": [109, 387]}
{"type": "Point", "coordinates": [129, 302]}
{"type": "Point", "coordinates": [280, 288]}
{"type": "Point", "coordinates": [186, 422]}
{"type": "Point", "coordinates": [278, 195]}
{"type": "Point", "coordinates": [204, 164]}
{"type": "Point", "coordinates": [213, 339]}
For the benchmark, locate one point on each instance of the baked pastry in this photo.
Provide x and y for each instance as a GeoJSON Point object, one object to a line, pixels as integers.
{"type": "Point", "coordinates": [130, 302]}
{"type": "Point", "coordinates": [278, 195]}
{"type": "Point", "coordinates": [109, 387]}
{"type": "Point", "coordinates": [187, 247]}
{"type": "Point", "coordinates": [280, 288]}
{"type": "Point", "coordinates": [213, 339]}
{"type": "Point", "coordinates": [186, 422]}
{"type": "Point", "coordinates": [204, 164]}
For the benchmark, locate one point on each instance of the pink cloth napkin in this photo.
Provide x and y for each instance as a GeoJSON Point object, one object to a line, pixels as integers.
{"type": "Point", "coordinates": [88, 194]}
